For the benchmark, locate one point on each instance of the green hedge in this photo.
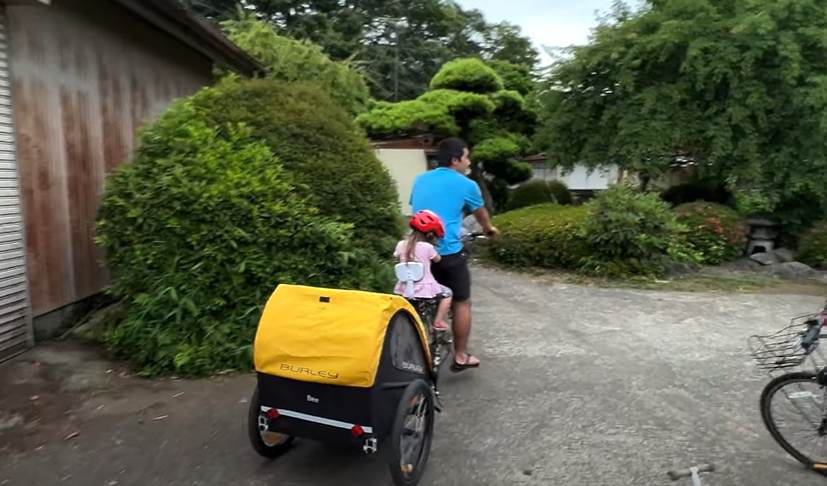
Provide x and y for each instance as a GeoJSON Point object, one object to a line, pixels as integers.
{"type": "Point", "coordinates": [208, 219]}
{"type": "Point", "coordinates": [812, 249]}
{"type": "Point", "coordinates": [320, 145]}
{"type": "Point", "coordinates": [717, 232]}
{"type": "Point", "coordinates": [629, 233]}
{"type": "Point", "coordinates": [544, 235]}
{"type": "Point", "coordinates": [620, 233]}
{"type": "Point", "coordinates": [539, 192]}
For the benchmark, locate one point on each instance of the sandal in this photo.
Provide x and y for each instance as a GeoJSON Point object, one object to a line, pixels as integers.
{"type": "Point", "coordinates": [456, 367]}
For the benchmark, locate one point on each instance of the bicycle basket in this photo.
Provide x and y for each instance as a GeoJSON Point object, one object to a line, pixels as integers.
{"type": "Point", "coordinates": [784, 349]}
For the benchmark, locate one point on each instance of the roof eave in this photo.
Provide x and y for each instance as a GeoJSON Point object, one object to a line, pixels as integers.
{"type": "Point", "coordinates": [188, 27]}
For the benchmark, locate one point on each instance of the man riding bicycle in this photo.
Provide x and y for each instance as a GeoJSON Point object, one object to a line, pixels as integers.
{"type": "Point", "coordinates": [447, 191]}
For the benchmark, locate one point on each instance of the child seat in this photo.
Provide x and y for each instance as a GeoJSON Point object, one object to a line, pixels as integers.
{"type": "Point", "coordinates": [410, 273]}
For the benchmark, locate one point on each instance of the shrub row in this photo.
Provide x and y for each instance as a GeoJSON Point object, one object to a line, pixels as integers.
{"type": "Point", "coordinates": [624, 232]}
{"type": "Point", "coordinates": [621, 232]}
{"type": "Point", "coordinates": [544, 235]}
{"type": "Point", "coordinates": [798, 213]}
{"type": "Point", "coordinates": [717, 232]}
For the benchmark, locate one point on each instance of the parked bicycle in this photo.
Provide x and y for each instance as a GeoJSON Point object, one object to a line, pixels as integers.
{"type": "Point", "coordinates": [805, 390]}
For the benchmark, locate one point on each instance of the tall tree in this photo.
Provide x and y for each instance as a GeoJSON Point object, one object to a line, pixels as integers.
{"type": "Point", "coordinates": [402, 44]}
{"type": "Point", "coordinates": [467, 99]}
{"type": "Point", "coordinates": [738, 86]}
{"type": "Point", "coordinates": [293, 60]}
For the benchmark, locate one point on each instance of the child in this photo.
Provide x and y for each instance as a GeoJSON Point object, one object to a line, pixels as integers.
{"type": "Point", "coordinates": [419, 247]}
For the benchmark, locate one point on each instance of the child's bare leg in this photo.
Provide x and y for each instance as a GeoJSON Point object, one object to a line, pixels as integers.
{"type": "Point", "coordinates": [441, 312]}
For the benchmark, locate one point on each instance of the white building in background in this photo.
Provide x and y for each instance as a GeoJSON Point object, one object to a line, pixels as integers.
{"type": "Point", "coordinates": [404, 165]}
{"type": "Point", "coordinates": [407, 158]}
{"type": "Point", "coordinates": [581, 178]}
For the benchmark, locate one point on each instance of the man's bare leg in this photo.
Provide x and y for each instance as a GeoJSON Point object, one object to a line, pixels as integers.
{"type": "Point", "coordinates": [461, 326]}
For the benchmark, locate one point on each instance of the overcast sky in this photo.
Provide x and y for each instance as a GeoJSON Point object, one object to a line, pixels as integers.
{"type": "Point", "coordinates": [548, 22]}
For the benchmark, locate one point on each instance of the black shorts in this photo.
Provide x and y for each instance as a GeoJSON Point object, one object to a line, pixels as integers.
{"type": "Point", "coordinates": [452, 271]}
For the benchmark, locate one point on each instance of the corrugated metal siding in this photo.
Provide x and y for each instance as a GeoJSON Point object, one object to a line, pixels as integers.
{"type": "Point", "coordinates": [15, 318]}
{"type": "Point", "coordinates": [86, 75]}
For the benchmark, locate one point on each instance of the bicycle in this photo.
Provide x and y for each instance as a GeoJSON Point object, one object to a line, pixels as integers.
{"type": "Point", "coordinates": [441, 341]}
{"type": "Point", "coordinates": [790, 348]}
{"type": "Point", "coordinates": [693, 472]}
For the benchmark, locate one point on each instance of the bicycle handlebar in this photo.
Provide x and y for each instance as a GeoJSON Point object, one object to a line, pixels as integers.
{"type": "Point", "coordinates": [814, 332]}
{"type": "Point", "coordinates": [465, 238]}
{"type": "Point", "coordinates": [674, 475]}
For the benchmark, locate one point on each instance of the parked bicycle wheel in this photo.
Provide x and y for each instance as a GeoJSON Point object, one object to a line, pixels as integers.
{"type": "Point", "coordinates": [799, 397]}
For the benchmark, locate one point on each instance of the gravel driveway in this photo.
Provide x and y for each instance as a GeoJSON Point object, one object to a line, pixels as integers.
{"type": "Point", "coordinates": [579, 386]}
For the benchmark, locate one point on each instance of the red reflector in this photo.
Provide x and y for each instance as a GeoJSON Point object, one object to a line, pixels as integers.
{"type": "Point", "coordinates": [272, 414]}
{"type": "Point", "coordinates": [356, 430]}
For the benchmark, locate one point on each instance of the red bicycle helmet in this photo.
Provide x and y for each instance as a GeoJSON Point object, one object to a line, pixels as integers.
{"type": "Point", "coordinates": [428, 222]}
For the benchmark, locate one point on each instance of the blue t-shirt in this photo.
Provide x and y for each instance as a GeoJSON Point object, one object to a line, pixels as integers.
{"type": "Point", "coordinates": [447, 193]}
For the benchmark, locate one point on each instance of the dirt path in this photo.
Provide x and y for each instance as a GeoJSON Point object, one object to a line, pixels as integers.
{"type": "Point", "coordinates": [579, 386]}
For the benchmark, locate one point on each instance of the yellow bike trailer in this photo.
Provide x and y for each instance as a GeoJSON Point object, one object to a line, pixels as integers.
{"type": "Point", "coordinates": [346, 367]}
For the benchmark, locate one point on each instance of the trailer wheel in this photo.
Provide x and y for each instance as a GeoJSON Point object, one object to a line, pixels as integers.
{"type": "Point", "coordinates": [267, 443]}
{"type": "Point", "coordinates": [411, 435]}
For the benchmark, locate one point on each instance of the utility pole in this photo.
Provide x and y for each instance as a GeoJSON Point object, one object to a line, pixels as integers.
{"type": "Point", "coordinates": [396, 62]}
{"type": "Point", "coordinates": [393, 23]}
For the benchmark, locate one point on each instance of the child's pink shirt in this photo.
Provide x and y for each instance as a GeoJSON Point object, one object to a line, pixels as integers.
{"type": "Point", "coordinates": [428, 287]}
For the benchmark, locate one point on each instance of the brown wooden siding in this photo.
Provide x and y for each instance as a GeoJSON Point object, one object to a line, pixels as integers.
{"type": "Point", "coordinates": [15, 320]}
{"type": "Point", "coordinates": [85, 75]}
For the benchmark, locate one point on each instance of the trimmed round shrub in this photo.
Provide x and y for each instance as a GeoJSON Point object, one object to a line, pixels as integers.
{"type": "Point", "coordinates": [544, 235]}
{"type": "Point", "coordinates": [539, 192]}
{"type": "Point", "coordinates": [509, 103]}
{"type": "Point", "coordinates": [198, 230]}
{"type": "Point", "coordinates": [468, 74]}
{"type": "Point", "coordinates": [516, 77]}
{"type": "Point", "coordinates": [460, 104]}
{"type": "Point", "coordinates": [716, 231]}
{"type": "Point", "coordinates": [387, 120]}
{"type": "Point", "coordinates": [629, 233]}
{"type": "Point", "coordinates": [320, 145]}
{"type": "Point", "coordinates": [812, 249]}
{"type": "Point", "coordinates": [499, 155]}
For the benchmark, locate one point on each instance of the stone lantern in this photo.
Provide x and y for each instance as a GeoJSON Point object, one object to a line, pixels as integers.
{"type": "Point", "coordinates": [762, 236]}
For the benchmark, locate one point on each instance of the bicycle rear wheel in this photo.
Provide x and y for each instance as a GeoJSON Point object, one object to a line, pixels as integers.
{"type": "Point", "coordinates": [804, 396]}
